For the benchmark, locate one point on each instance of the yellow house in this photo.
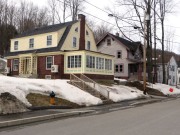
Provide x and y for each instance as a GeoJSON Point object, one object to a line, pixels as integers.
{"type": "Point", "coordinates": [56, 51]}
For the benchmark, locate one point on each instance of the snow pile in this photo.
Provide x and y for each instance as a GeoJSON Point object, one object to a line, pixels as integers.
{"type": "Point", "coordinates": [121, 93]}
{"type": "Point", "coordinates": [10, 104]}
{"type": "Point", "coordinates": [20, 87]}
{"type": "Point", "coordinates": [166, 89]}
{"type": "Point", "coordinates": [121, 80]}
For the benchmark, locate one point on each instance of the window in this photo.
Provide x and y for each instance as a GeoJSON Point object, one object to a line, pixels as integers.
{"type": "Point", "coordinates": [74, 42]}
{"type": "Point", "coordinates": [15, 64]}
{"type": "Point", "coordinates": [49, 62]}
{"type": "Point", "coordinates": [90, 61]}
{"type": "Point", "coordinates": [172, 68]}
{"type": "Point", "coordinates": [88, 45]}
{"type": "Point", "coordinates": [108, 64]}
{"type": "Point", "coordinates": [49, 40]}
{"type": "Point", "coordinates": [119, 68]}
{"type": "Point", "coordinates": [116, 68]}
{"type": "Point", "coordinates": [119, 54]}
{"type": "Point", "coordinates": [173, 79]}
{"type": "Point", "coordinates": [108, 42]}
{"type": "Point", "coordinates": [74, 61]}
{"type": "Point", "coordinates": [76, 30]}
{"type": "Point", "coordinates": [15, 45]}
{"type": "Point", "coordinates": [31, 43]}
{"type": "Point", "coordinates": [87, 33]}
{"type": "Point", "coordinates": [99, 63]}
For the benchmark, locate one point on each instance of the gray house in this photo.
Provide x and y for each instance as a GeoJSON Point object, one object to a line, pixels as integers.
{"type": "Point", "coordinates": [128, 55]}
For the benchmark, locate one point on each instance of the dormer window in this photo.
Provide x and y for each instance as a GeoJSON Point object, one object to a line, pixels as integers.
{"type": "Point", "coordinates": [87, 33]}
{"type": "Point", "coordinates": [74, 42]}
{"type": "Point", "coordinates": [108, 42]}
{"type": "Point", "coordinates": [76, 30]}
{"type": "Point", "coordinates": [49, 40]}
{"type": "Point", "coordinates": [15, 45]}
{"type": "Point", "coordinates": [31, 43]}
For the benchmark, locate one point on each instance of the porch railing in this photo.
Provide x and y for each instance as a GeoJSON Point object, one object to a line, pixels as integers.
{"type": "Point", "coordinates": [78, 82]}
{"type": "Point", "coordinates": [102, 90]}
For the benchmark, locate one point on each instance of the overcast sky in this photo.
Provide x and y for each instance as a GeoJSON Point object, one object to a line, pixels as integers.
{"type": "Point", "coordinates": [172, 21]}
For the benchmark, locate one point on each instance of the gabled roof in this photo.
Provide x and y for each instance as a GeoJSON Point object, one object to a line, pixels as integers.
{"type": "Point", "coordinates": [130, 45]}
{"type": "Point", "coordinates": [50, 49]}
{"type": "Point", "coordinates": [45, 29]}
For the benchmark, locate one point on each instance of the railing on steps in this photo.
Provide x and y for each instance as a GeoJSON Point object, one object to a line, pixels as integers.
{"type": "Point", "coordinates": [78, 82]}
{"type": "Point", "coordinates": [102, 90]}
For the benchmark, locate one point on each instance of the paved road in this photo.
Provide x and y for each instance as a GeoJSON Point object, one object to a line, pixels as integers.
{"type": "Point", "coordinates": [154, 119]}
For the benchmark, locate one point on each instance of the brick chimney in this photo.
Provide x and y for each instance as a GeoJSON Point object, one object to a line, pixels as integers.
{"type": "Point", "coordinates": [82, 20]}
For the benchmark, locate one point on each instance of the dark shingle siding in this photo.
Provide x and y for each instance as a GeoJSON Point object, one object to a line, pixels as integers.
{"type": "Point", "coordinates": [131, 45]}
{"type": "Point", "coordinates": [46, 29]}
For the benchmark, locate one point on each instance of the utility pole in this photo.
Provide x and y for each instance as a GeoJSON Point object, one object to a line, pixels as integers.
{"type": "Point", "coordinates": [149, 53]}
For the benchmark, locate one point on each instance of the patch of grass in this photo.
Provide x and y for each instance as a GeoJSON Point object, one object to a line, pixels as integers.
{"type": "Point", "coordinates": [139, 86]}
{"type": "Point", "coordinates": [43, 100]}
{"type": "Point", "coordinates": [104, 82]}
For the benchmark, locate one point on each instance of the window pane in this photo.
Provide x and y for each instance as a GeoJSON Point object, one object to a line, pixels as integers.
{"type": "Point", "coordinates": [49, 40]}
{"type": "Point", "coordinates": [49, 62]}
{"type": "Point", "coordinates": [31, 43]}
{"type": "Point", "coordinates": [74, 41]}
{"type": "Point", "coordinates": [116, 68]}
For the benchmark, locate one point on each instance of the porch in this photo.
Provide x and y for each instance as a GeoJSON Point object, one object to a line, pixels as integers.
{"type": "Point", "coordinates": [135, 71]}
{"type": "Point", "coordinates": [93, 64]}
{"type": "Point", "coordinates": [28, 65]}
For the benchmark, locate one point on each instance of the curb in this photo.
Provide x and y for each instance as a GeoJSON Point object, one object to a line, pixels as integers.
{"type": "Point", "coordinates": [41, 118]}
{"type": "Point", "coordinates": [145, 102]}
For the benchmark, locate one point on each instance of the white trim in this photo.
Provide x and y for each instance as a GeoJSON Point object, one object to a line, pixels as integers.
{"type": "Point", "coordinates": [48, 40]}
{"type": "Point", "coordinates": [30, 43]}
{"type": "Point", "coordinates": [52, 62]}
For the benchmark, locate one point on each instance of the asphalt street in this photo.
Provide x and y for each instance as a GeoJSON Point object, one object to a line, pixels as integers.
{"type": "Point", "coordinates": [162, 118]}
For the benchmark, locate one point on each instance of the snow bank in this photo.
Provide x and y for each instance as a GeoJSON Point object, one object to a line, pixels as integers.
{"type": "Point", "coordinates": [165, 89]}
{"type": "Point", "coordinates": [20, 87]}
{"type": "Point", "coordinates": [121, 93]}
{"type": "Point", "coordinates": [121, 80]}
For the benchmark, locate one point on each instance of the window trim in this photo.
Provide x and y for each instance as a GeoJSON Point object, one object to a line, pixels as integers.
{"type": "Point", "coordinates": [117, 54]}
{"type": "Point", "coordinates": [49, 40]}
{"type": "Point", "coordinates": [16, 64]}
{"type": "Point", "coordinates": [51, 64]}
{"type": "Point", "coordinates": [31, 43]}
{"type": "Point", "coordinates": [119, 68]}
{"type": "Point", "coordinates": [77, 61]}
{"type": "Point", "coordinates": [16, 45]}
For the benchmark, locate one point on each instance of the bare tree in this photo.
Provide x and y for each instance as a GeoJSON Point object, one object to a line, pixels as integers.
{"type": "Point", "coordinates": [100, 31]}
{"type": "Point", "coordinates": [75, 6]}
{"type": "Point", "coordinates": [53, 6]}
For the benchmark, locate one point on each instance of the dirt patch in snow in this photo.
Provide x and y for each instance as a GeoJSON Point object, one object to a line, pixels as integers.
{"type": "Point", "coordinates": [37, 99]}
{"type": "Point", "coordinates": [139, 86]}
{"type": "Point", "coordinates": [10, 104]}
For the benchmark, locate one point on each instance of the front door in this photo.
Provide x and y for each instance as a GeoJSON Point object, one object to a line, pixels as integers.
{"type": "Point", "coordinates": [27, 65]}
